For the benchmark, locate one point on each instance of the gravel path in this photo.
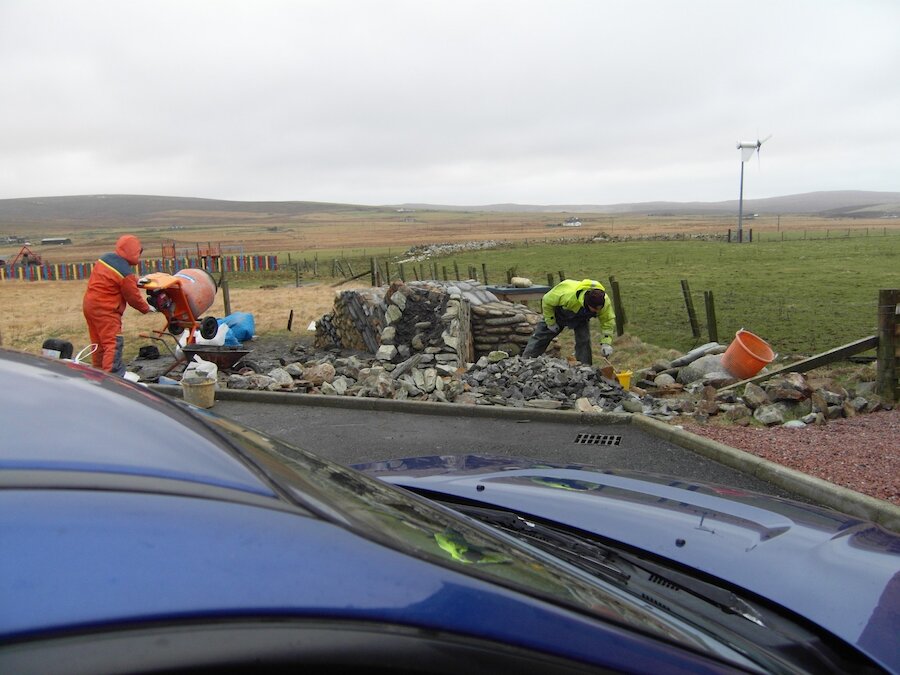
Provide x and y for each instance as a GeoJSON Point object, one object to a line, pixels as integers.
{"type": "Point", "coordinates": [861, 453]}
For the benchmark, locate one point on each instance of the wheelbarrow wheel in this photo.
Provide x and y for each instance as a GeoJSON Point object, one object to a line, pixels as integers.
{"type": "Point", "coordinates": [209, 327]}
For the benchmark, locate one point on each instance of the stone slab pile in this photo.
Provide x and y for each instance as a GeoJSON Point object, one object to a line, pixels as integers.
{"type": "Point", "coordinates": [502, 326]}
{"type": "Point", "coordinates": [356, 320]}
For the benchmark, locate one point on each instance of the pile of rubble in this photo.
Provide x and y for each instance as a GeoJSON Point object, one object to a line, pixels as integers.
{"type": "Point", "coordinates": [552, 383]}
{"type": "Point", "coordinates": [496, 379]}
{"type": "Point", "coordinates": [665, 391]}
{"type": "Point", "coordinates": [455, 342]}
{"type": "Point", "coordinates": [697, 384]}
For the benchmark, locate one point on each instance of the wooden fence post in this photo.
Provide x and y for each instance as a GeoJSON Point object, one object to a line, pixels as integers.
{"type": "Point", "coordinates": [484, 277]}
{"type": "Point", "coordinates": [402, 273]}
{"type": "Point", "coordinates": [618, 307]}
{"type": "Point", "coordinates": [562, 275]}
{"type": "Point", "coordinates": [456, 269]}
{"type": "Point", "coordinates": [711, 325]}
{"type": "Point", "coordinates": [226, 294]}
{"type": "Point", "coordinates": [373, 271]}
{"type": "Point", "coordinates": [689, 303]}
{"type": "Point", "coordinates": [888, 344]}
{"type": "Point", "coordinates": [550, 279]}
{"type": "Point", "coordinates": [617, 303]}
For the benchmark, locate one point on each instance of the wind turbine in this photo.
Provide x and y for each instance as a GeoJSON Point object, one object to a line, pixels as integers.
{"type": "Point", "coordinates": [747, 149]}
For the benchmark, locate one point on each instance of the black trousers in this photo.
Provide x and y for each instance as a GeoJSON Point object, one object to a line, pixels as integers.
{"type": "Point", "coordinates": [542, 337]}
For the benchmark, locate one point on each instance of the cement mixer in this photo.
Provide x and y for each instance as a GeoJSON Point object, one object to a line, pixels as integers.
{"type": "Point", "coordinates": [182, 297]}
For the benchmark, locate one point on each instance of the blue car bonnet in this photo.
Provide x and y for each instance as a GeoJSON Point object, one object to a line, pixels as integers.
{"type": "Point", "coordinates": [838, 571]}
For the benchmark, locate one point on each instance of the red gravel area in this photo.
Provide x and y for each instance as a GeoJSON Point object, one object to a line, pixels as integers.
{"type": "Point", "coordinates": [861, 453]}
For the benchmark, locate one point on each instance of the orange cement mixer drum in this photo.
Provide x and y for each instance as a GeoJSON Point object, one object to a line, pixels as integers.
{"type": "Point", "coordinates": [199, 289]}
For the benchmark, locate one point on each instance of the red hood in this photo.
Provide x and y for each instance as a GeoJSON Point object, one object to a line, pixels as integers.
{"type": "Point", "coordinates": [129, 247]}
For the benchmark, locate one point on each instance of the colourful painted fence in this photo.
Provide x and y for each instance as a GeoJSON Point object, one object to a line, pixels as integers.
{"type": "Point", "coordinates": [75, 271]}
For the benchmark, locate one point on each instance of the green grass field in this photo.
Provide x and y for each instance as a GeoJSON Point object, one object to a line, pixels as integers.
{"type": "Point", "coordinates": [803, 297]}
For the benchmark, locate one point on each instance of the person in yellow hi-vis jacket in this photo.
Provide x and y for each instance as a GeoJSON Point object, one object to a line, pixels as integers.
{"type": "Point", "coordinates": [572, 304]}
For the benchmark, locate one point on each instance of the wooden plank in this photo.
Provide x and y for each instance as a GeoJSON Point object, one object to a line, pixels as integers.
{"type": "Point", "coordinates": [837, 354]}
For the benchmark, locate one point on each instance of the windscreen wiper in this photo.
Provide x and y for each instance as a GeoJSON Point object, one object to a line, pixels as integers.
{"type": "Point", "coordinates": [586, 556]}
{"type": "Point", "coordinates": [773, 639]}
{"type": "Point", "coordinates": [612, 564]}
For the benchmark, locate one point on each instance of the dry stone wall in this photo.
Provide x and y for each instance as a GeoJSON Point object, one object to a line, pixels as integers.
{"type": "Point", "coordinates": [454, 322]}
{"type": "Point", "coordinates": [502, 326]}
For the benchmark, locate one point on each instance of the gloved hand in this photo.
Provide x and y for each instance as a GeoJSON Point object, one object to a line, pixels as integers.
{"type": "Point", "coordinates": [555, 328]}
{"type": "Point", "coordinates": [606, 351]}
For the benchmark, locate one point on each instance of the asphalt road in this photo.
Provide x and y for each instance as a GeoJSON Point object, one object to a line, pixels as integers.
{"type": "Point", "coordinates": [353, 434]}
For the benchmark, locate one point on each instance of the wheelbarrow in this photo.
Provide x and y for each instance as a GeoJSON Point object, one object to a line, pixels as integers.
{"type": "Point", "coordinates": [225, 357]}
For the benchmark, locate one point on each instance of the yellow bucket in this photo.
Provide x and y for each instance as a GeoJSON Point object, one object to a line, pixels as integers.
{"type": "Point", "coordinates": [201, 394]}
{"type": "Point", "coordinates": [624, 378]}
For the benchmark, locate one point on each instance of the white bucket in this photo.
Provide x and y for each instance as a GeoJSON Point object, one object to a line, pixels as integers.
{"type": "Point", "coordinates": [199, 392]}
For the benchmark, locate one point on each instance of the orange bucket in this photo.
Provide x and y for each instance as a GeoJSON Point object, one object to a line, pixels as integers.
{"type": "Point", "coordinates": [746, 355]}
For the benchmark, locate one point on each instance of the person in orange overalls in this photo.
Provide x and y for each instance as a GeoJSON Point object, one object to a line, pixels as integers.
{"type": "Point", "coordinates": [112, 285]}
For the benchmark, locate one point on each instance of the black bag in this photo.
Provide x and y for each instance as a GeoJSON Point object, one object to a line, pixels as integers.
{"type": "Point", "coordinates": [64, 347]}
{"type": "Point", "coordinates": [148, 352]}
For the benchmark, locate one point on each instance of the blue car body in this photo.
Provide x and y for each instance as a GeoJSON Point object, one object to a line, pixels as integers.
{"type": "Point", "coordinates": [140, 534]}
{"type": "Point", "coordinates": [838, 571]}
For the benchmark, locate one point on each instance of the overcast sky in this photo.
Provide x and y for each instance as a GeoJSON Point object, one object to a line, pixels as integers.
{"type": "Point", "coordinates": [448, 101]}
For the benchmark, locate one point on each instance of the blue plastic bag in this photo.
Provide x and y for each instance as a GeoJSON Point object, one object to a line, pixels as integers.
{"type": "Point", "coordinates": [242, 326]}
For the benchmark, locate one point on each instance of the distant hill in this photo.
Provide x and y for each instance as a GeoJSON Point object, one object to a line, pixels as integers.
{"type": "Point", "coordinates": [843, 203]}
{"type": "Point", "coordinates": [79, 212]}
{"type": "Point", "coordinates": [146, 210]}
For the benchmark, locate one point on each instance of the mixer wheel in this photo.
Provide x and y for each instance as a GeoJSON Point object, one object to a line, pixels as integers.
{"type": "Point", "coordinates": [209, 327]}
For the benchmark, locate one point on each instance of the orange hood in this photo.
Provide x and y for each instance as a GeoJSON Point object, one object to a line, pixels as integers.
{"type": "Point", "coordinates": [129, 247]}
